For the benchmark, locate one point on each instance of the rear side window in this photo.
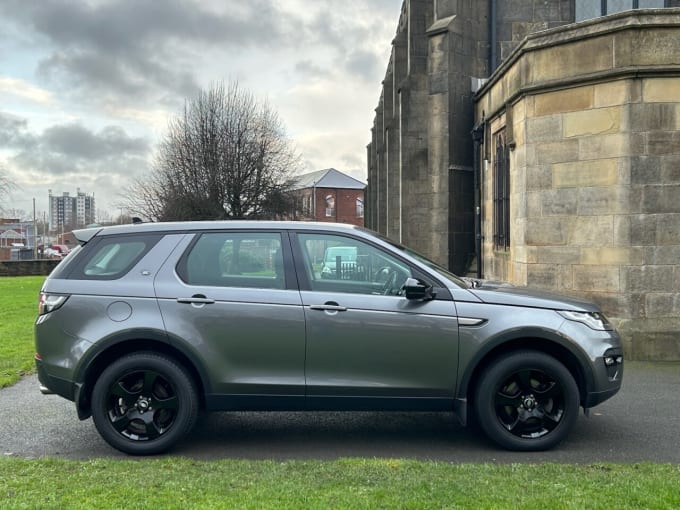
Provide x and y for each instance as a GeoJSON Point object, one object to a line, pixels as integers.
{"type": "Point", "coordinates": [235, 259]}
{"type": "Point", "coordinates": [113, 257]}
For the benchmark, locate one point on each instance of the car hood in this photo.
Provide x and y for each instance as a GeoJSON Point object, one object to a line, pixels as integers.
{"type": "Point", "coordinates": [505, 294]}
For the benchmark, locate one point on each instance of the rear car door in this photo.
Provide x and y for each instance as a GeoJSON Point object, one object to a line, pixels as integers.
{"type": "Point", "coordinates": [365, 341]}
{"type": "Point", "coordinates": [231, 298]}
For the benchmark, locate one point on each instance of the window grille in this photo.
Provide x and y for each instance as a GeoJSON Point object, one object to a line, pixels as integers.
{"type": "Point", "coordinates": [501, 193]}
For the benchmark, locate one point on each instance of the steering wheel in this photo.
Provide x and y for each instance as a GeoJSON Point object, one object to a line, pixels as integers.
{"type": "Point", "coordinates": [389, 282]}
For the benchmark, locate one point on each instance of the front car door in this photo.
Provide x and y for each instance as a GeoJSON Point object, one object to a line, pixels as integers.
{"type": "Point", "coordinates": [231, 297]}
{"type": "Point", "coordinates": [367, 345]}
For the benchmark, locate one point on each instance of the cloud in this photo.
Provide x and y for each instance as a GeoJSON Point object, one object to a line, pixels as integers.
{"type": "Point", "coordinates": [21, 88]}
{"type": "Point", "coordinates": [137, 48]}
{"type": "Point", "coordinates": [71, 149]}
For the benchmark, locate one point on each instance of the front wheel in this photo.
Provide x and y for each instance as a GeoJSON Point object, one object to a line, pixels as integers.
{"type": "Point", "coordinates": [144, 403]}
{"type": "Point", "coordinates": [526, 401]}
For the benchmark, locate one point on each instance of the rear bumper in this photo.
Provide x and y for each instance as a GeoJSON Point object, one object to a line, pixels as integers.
{"type": "Point", "coordinates": [50, 385]}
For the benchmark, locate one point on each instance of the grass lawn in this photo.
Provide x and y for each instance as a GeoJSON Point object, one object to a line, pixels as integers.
{"type": "Point", "coordinates": [172, 482]}
{"type": "Point", "coordinates": [19, 305]}
{"type": "Point", "coordinates": [345, 483]}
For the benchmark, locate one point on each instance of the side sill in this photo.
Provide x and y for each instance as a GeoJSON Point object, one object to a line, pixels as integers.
{"type": "Point", "coordinates": [220, 402]}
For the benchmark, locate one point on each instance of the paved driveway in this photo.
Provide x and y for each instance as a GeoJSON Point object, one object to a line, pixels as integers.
{"type": "Point", "coordinates": [642, 423]}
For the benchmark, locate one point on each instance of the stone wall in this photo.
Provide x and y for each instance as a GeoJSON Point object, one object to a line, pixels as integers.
{"type": "Point", "coordinates": [594, 113]}
{"type": "Point", "coordinates": [27, 267]}
{"type": "Point", "coordinates": [420, 158]}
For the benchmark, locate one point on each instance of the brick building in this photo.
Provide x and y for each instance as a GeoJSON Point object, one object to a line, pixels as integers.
{"type": "Point", "coordinates": [329, 195]}
{"type": "Point", "coordinates": [541, 140]}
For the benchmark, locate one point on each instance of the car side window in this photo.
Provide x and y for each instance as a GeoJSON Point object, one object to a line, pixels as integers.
{"type": "Point", "coordinates": [235, 259]}
{"type": "Point", "coordinates": [113, 257]}
{"type": "Point", "coordinates": [336, 263]}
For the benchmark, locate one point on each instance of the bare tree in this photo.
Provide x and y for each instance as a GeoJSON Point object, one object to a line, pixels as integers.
{"type": "Point", "coordinates": [226, 157]}
{"type": "Point", "coordinates": [6, 186]}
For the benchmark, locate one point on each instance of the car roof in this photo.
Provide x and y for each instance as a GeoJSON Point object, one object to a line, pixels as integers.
{"type": "Point", "coordinates": [84, 235]}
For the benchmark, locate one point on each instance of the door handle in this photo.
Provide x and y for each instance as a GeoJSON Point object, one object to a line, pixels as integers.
{"type": "Point", "coordinates": [328, 307]}
{"type": "Point", "coordinates": [196, 300]}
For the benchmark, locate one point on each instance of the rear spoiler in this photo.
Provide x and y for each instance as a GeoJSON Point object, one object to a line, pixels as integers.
{"type": "Point", "coordinates": [85, 234]}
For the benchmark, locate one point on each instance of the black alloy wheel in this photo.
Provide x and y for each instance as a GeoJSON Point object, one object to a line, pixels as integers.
{"type": "Point", "coordinates": [144, 403]}
{"type": "Point", "coordinates": [527, 401]}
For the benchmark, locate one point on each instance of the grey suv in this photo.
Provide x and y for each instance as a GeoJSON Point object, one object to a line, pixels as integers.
{"type": "Point", "coordinates": [144, 325]}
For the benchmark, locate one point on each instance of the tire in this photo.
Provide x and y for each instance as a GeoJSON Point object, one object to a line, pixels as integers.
{"type": "Point", "coordinates": [144, 403]}
{"type": "Point", "coordinates": [526, 401]}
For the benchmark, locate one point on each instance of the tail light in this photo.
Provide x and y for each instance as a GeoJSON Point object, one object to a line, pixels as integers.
{"type": "Point", "coordinates": [50, 302]}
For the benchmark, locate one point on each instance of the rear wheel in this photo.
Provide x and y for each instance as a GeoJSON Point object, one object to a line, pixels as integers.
{"type": "Point", "coordinates": [144, 403]}
{"type": "Point", "coordinates": [526, 401]}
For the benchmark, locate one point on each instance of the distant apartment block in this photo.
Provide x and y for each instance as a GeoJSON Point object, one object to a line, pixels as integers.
{"type": "Point", "coordinates": [329, 195]}
{"type": "Point", "coordinates": [71, 211]}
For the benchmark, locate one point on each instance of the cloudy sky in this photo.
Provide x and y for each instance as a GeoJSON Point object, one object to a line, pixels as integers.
{"type": "Point", "coordinates": [87, 87]}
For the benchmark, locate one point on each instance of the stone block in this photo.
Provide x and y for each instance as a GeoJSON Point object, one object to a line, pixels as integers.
{"type": "Point", "coordinates": [660, 198]}
{"type": "Point", "coordinates": [663, 142]}
{"type": "Point", "coordinates": [598, 278]}
{"type": "Point", "coordinates": [661, 90]}
{"type": "Point", "coordinates": [667, 229]}
{"type": "Point", "coordinates": [656, 346]}
{"type": "Point", "coordinates": [569, 100]}
{"type": "Point", "coordinates": [559, 202]}
{"type": "Point", "coordinates": [662, 255]}
{"type": "Point", "coordinates": [645, 170]}
{"type": "Point", "coordinates": [556, 152]}
{"type": "Point", "coordinates": [573, 59]}
{"type": "Point", "coordinates": [591, 231]}
{"type": "Point", "coordinates": [662, 304]}
{"type": "Point", "coordinates": [617, 304]}
{"type": "Point", "coordinates": [568, 255]}
{"type": "Point", "coordinates": [606, 146]}
{"type": "Point", "coordinates": [670, 169]}
{"type": "Point", "coordinates": [603, 201]}
{"type": "Point", "coordinates": [547, 231]}
{"type": "Point", "coordinates": [544, 129]}
{"type": "Point", "coordinates": [600, 172]}
{"type": "Point", "coordinates": [611, 255]}
{"type": "Point", "coordinates": [649, 278]}
{"type": "Point", "coordinates": [642, 230]}
{"type": "Point", "coordinates": [611, 93]}
{"type": "Point", "coordinates": [595, 121]}
{"type": "Point", "coordinates": [543, 276]}
{"type": "Point", "coordinates": [539, 177]}
{"type": "Point", "coordinates": [652, 117]}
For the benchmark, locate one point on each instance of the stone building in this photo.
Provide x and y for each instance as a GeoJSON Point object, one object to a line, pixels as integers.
{"type": "Point", "coordinates": [540, 140]}
{"type": "Point", "coordinates": [329, 195]}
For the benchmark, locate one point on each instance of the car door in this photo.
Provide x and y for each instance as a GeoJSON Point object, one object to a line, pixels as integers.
{"type": "Point", "coordinates": [231, 298]}
{"type": "Point", "coordinates": [367, 345]}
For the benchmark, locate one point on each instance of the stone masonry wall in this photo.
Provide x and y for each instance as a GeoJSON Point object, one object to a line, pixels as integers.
{"type": "Point", "coordinates": [595, 172]}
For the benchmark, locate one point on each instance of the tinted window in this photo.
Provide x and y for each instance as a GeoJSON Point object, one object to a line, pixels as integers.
{"type": "Point", "coordinates": [343, 264]}
{"type": "Point", "coordinates": [112, 257]}
{"type": "Point", "coordinates": [235, 259]}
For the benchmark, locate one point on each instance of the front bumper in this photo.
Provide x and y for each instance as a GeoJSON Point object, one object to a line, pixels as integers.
{"type": "Point", "coordinates": [607, 377]}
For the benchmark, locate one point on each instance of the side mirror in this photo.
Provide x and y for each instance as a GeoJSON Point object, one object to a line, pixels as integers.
{"type": "Point", "coordinates": [415, 289]}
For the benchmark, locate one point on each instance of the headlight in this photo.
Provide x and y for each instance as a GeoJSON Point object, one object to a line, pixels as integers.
{"type": "Point", "coordinates": [594, 320]}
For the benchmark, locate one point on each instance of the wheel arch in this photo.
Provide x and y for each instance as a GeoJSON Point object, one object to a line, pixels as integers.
{"type": "Point", "coordinates": [118, 347]}
{"type": "Point", "coordinates": [563, 354]}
